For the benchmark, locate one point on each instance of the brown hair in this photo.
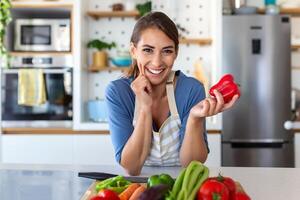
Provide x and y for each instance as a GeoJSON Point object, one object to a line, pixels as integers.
{"type": "Point", "coordinates": [153, 19]}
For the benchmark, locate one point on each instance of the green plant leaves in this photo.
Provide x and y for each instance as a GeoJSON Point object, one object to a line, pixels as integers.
{"type": "Point", "coordinates": [100, 45]}
{"type": "Point", "coordinates": [5, 18]}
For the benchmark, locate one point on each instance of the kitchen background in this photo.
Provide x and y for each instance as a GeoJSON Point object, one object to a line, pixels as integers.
{"type": "Point", "coordinates": [80, 135]}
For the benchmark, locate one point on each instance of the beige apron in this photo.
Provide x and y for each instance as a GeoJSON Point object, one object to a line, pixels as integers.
{"type": "Point", "coordinates": [165, 143]}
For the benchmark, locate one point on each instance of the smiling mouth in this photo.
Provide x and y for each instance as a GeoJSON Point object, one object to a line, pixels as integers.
{"type": "Point", "coordinates": [155, 71]}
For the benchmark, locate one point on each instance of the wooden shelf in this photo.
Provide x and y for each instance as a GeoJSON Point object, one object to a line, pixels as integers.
{"type": "Point", "coordinates": [110, 69]}
{"type": "Point", "coordinates": [287, 11]}
{"type": "Point", "coordinates": [202, 42]}
{"type": "Point", "coordinates": [41, 4]}
{"type": "Point", "coordinates": [295, 47]}
{"type": "Point", "coordinates": [34, 53]}
{"type": "Point", "coordinates": [99, 14]}
{"type": "Point", "coordinates": [296, 68]}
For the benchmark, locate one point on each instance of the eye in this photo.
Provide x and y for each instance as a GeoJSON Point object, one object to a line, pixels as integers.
{"type": "Point", "coordinates": [167, 51]}
{"type": "Point", "coordinates": [147, 50]}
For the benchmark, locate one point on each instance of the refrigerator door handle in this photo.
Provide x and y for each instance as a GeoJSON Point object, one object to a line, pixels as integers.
{"type": "Point", "coordinates": [257, 144]}
{"type": "Point", "coordinates": [288, 125]}
{"type": "Point", "coordinates": [256, 141]}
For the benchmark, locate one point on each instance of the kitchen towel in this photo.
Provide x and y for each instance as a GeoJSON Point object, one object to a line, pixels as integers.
{"type": "Point", "coordinates": [31, 87]}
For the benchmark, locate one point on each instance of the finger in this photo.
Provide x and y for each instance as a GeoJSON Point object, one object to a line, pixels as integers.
{"type": "Point", "coordinates": [212, 105]}
{"type": "Point", "coordinates": [148, 85]}
{"type": "Point", "coordinates": [141, 69]}
{"type": "Point", "coordinates": [220, 101]}
{"type": "Point", "coordinates": [231, 103]}
{"type": "Point", "coordinates": [205, 107]}
{"type": "Point", "coordinates": [145, 84]}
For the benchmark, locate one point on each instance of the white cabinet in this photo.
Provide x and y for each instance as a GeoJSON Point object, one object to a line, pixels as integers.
{"type": "Point", "coordinates": [37, 149]}
{"type": "Point", "coordinates": [93, 150]}
{"type": "Point", "coordinates": [214, 156]}
{"type": "Point", "coordinates": [57, 149]}
{"type": "Point", "coordinates": [297, 149]}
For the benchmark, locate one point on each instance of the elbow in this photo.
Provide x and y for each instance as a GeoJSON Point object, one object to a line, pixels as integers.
{"type": "Point", "coordinates": [132, 170]}
{"type": "Point", "coordinates": [201, 158]}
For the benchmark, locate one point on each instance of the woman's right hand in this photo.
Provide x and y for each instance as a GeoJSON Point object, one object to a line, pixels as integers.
{"type": "Point", "coordinates": [141, 86]}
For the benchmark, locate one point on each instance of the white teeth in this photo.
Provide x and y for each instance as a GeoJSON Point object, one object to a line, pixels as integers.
{"type": "Point", "coordinates": [153, 71]}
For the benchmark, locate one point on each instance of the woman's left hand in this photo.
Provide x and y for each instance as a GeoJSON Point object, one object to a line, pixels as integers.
{"type": "Point", "coordinates": [211, 106]}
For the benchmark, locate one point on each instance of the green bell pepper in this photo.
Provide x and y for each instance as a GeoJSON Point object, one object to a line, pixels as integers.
{"type": "Point", "coordinates": [165, 179]}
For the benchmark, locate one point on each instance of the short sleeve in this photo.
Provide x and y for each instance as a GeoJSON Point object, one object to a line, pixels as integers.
{"type": "Point", "coordinates": [120, 115]}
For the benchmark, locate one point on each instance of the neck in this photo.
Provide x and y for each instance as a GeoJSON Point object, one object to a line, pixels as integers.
{"type": "Point", "coordinates": [159, 91]}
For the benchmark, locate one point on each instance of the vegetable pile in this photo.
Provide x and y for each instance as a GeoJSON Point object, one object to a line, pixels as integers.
{"type": "Point", "coordinates": [192, 183]}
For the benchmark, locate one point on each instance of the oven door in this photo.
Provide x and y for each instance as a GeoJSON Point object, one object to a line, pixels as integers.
{"type": "Point", "coordinates": [58, 106]}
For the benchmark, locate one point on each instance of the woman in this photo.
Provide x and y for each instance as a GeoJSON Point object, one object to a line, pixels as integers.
{"type": "Point", "coordinates": [156, 115]}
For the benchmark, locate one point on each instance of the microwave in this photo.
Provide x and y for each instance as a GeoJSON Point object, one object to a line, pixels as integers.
{"type": "Point", "coordinates": [42, 35]}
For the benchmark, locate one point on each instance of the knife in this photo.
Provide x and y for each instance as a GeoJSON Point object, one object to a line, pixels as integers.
{"type": "Point", "coordinates": [102, 176]}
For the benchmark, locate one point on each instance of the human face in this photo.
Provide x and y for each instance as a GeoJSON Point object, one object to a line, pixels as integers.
{"type": "Point", "coordinates": [155, 54]}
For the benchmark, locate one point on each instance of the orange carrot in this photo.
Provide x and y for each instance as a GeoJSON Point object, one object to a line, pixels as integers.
{"type": "Point", "coordinates": [137, 193]}
{"type": "Point", "coordinates": [126, 194]}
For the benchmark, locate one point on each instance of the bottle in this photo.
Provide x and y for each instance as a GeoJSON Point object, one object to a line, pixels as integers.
{"type": "Point", "coordinates": [271, 7]}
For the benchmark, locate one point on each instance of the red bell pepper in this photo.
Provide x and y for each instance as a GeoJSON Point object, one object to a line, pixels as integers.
{"type": "Point", "coordinates": [106, 194]}
{"type": "Point", "coordinates": [227, 87]}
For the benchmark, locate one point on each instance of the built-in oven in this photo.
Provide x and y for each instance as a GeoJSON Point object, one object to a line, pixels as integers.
{"type": "Point", "coordinates": [42, 35]}
{"type": "Point", "coordinates": [56, 111]}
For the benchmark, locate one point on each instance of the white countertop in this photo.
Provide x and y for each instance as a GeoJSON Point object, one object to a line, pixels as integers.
{"type": "Point", "coordinates": [259, 183]}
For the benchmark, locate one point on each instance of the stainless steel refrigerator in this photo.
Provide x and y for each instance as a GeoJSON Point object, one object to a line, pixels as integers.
{"type": "Point", "coordinates": [256, 50]}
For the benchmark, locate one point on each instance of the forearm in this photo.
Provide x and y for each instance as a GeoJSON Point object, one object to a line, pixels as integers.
{"type": "Point", "coordinates": [138, 146]}
{"type": "Point", "coordinates": [193, 145]}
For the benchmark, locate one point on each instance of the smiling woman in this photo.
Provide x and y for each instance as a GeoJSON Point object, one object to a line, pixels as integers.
{"type": "Point", "coordinates": [156, 115]}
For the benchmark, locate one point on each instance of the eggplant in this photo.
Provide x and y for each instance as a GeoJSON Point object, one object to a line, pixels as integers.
{"type": "Point", "coordinates": [157, 192]}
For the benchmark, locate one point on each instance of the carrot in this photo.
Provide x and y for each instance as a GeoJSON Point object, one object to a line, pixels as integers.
{"type": "Point", "coordinates": [126, 194]}
{"type": "Point", "coordinates": [137, 193]}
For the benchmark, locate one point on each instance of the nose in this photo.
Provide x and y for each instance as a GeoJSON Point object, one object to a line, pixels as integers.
{"type": "Point", "coordinates": [157, 59]}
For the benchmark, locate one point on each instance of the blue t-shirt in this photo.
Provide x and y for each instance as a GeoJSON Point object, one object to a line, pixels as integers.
{"type": "Point", "coordinates": [120, 100]}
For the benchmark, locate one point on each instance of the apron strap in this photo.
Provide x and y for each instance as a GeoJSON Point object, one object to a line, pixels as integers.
{"type": "Point", "coordinates": [171, 95]}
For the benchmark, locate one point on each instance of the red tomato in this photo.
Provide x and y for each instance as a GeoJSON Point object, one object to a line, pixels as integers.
{"type": "Point", "coordinates": [241, 196]}
{"type": "Point", "coordinates": [230, 184]}
{"type": "Point", "coordinates": [96, 198]}
{"type": "Point", "coordinates": [212, 189]}
{"type": "Point", "coordinates": [107, 194]}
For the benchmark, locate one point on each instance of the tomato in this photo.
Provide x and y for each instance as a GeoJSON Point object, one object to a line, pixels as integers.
{"type": "Point", "coordinates": [107, 194]}
{"type": "Point", "coordinates": [227, 87]}
{"type": "Point", "coordinates": [212, 189]}
{"type": "Point", "coordinates": [96, 197]}
{"type": "Point", "coordinates": [230, 184]}
{"type": "Point", "coordinates": [241, 196]}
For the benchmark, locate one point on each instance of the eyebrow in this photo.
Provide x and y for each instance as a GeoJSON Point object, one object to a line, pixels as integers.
{"type": "Point", "coordinates": [149, 46]}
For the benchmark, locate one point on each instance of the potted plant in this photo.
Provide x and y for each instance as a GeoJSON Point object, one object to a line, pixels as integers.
{"type": "Point", "coordinates": [144, 8]}
{"type": "Point", "coordinates": [100, 57]}
{"type": "Point", "coordinates": [5, 18]}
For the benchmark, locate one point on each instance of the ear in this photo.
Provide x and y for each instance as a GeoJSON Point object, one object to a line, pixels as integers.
{"type": "Point", "coordinates": [132, 51]}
